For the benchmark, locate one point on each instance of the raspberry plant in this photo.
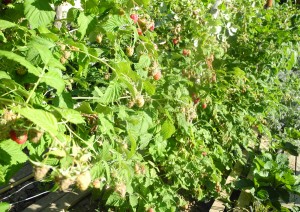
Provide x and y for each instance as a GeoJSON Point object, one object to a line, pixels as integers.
{"type": "Point", "coordinates": [149, 102]}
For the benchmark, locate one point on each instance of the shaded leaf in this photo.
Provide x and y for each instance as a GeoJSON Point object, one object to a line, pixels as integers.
{"type": "Point", "coordinates": [41, 118]}
{"type": "Point", "coordinates": [38, 13]}
{"type": "Point", "coordinates": [21, 60]}
{"type": "Point", "coordinates": [54, 79]}
{"type": "Point", "coordinates": [167, 129]}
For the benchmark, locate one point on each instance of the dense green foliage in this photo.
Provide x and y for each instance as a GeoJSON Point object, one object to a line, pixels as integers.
{"type": "Point", "coordinates": [153, 112]}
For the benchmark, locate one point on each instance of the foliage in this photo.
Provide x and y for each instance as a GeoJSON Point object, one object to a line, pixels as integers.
{"type": "Point", "coordinates": [273, 180]}
{"type": "Point", "coordinates": [89, 98]}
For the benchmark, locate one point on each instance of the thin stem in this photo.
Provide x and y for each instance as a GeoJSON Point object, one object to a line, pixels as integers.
{"type": "Point", "coordinates": [35, 85]}
{"type": "Point", "coordinates": [88, 98]}
{"type": "Point", "coordinates": [11, 101]}
{"type": "Point", "coordinates": [9, 92]}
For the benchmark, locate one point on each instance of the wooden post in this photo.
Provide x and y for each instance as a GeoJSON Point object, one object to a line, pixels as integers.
{"type": "Point", "coordinates": [269, 4]}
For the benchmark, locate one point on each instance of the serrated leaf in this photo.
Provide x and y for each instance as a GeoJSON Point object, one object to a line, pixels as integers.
{"type": "Point", "coordinates": [43, 42]}
{"type": "Point", "coordinates": [41, 118]}
{"type": "Point", "coordinates": [139, 124]}
{"type": "Point", "coordinates": [51, 161]}
{"type": "Point", "coordinates": [262, 194]}
{"type": "Point", "coordinates": [97, 170]}
{"type": "Point", "coordinates": [83, 22]}
{"type": "Point", "coordinates": [21, 60]}
{"type": "Point", "coordinates": [133, 200]}
{"type": "Point", "coordinates": [124, 70]}
{"type": "Point", "coordinates": [91, 6]}
{"type": "Point", "coordinates": [114, 23]}
{"type": "Point", "coordinates": [42, 46]}
{"type": "Point", "coordinates": [45, 54]}
{"type": "Point", "coordinates": [14, 153]}
{"type": "Point", "coordinates": [54, 78]}
{"type": "Point", "coordinates": [112, 93]}
{"type": "Point", "coordinates": [167, 129]}
{"type": "Point", "coordinates": [114, 200]}
{"type": "Point", "coordinates": [71, 115]}
{"type": "Point", "coordinates": [38, 13]}
{"type": "Point", "coordinates": [149, 87]}
{"type": "Point", "coordinates": [85, 107]}
{"type": "Point", "coordinates": [144, 62]}
{"type": "Point", "coordinates": [58, 153]}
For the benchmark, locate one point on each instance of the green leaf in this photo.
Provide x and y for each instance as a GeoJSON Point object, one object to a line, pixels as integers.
{"type": "Point", "coordinates": [144, 3]}
{"type": "Point", "coordinates": [114, 23]}
{"type": "Point", "coordinates": [292, 61]}
{"type": "Point", "coordinates": [6, 24]}
{"type": "Point", "coordinates": [167, 129]}
{"type": "Point", "coordinates": [114, 200]}
{"type": "Point", "coordinates": [149, 87]}
{"type": "Point", "coordinates": [144, 62]}
{"type": "Point", "coordinates": [91, 6]}
{"type": "Point", "coordinates": [13, 85]}
{"type": "Point", "coordinates": [83, 22]}
{"type": "Point", "coordinates": [54, 78]}
{"type": "Point", "coordinates": [11, 153]}
{"type": "Point", "coordinates": [38, 13]}
{"type": "Point", "coordinates": [63, 101]}
{"type": "Point", "coordinates": [85, 107]}
{"type": "Point", "coordinates": [58, 153]}
{"type": "Point", "coordinates": [42, 47]}
{"type": "Point", "coordinates": [133, 200]}
{"type": "Point", "coordinates": [2, 37]}
{"type": "Point", "coordinates": [144, 140]}
{"type": "Point", "coordinates": [4, 75]}
{"type": "Point", "coordinates": [296, 189]}
{"type": "Point", "coordinates": [238, 72]}
{"type": "Point", "coordinates": [132, 145]}
{"type": "Point", "coordinates": [21, 60]}
{"type": "Point", "coordinates": [139, 124]}
{"type": "Point", "coordinates": [71, 115]}
{"type": "Point", "coordinates": [46, 43]}
{"type": "Point", "coordinates": [262, 194]}
{"type": "Point", "coordinates": [112, 93]}
{"type": "Point", "coordinates": [4, 206]}
{"type": "Point", "coordinates": [124, 70]}
{"type": "Point", "coordinates": [41, 118]}
{"type": "Point", "coordinates": [97, 170]}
